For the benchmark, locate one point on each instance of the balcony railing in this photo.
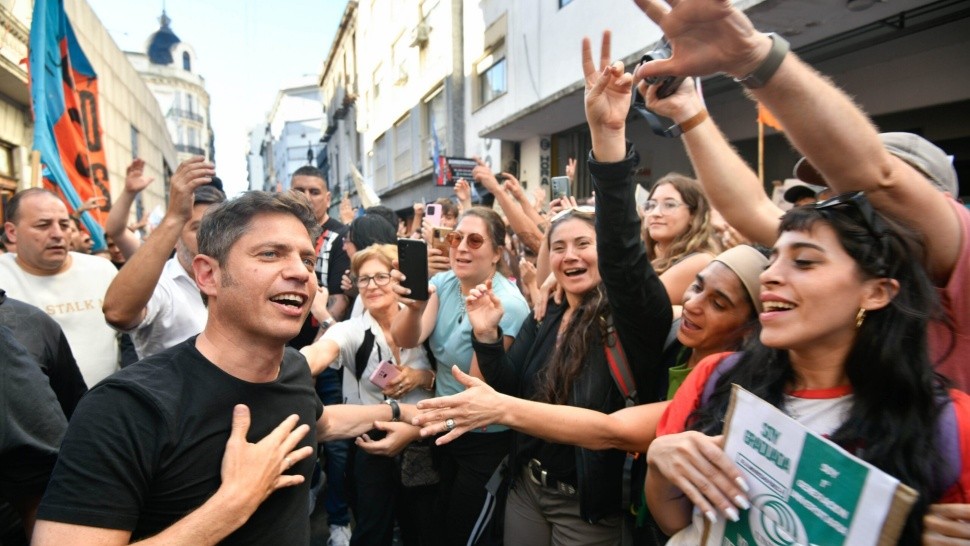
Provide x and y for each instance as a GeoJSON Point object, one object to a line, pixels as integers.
{"type": "Point", "coordinates": [186, 114]}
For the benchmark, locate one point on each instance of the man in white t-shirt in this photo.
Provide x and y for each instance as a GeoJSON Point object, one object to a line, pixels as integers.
{"type": "Point", "coordinates": [68, 286]}
{"type": "Point", "coordinates": [154, 298]}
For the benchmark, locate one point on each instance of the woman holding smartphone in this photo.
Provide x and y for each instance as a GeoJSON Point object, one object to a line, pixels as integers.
{"type": "Point", "coordinates": [364, 346]}
{"type": "Point", "coordinates": [467, 464]}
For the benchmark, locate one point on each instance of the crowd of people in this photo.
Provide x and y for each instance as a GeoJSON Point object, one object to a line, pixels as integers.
{"type": "Point", "coordinates": [567, 378]}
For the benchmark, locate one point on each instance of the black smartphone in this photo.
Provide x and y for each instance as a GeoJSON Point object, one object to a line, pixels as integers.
{"type": "Point", "coordinates": [412, 258]}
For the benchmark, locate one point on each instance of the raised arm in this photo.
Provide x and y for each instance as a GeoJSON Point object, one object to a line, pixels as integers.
{"type": "Point", "coordinates": [521, 224]}
{"type": "Point", "coordinates": [640, 307]}
{"type": "Point", "coordinates": [117, 224]}
{"type": "Point", "coordinates": [710, 36]}
{"type": "Point", "coordinates": [128, 295]}
{"type": "Point", "coordinates": [730, 184]}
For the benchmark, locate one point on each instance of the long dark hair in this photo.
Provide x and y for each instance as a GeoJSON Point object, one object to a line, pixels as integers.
{"type": "Point", "coordinates": [897, 396]}
{"type": "Point", "coordinates": [586, 328]}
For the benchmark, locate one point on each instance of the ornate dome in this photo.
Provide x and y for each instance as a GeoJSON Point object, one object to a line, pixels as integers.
{"type": "Point", "coordinates": [160, 43]}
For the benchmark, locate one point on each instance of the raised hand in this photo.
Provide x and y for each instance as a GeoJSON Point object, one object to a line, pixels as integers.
{"type": "Point", "coordinates": [571, 169]}
{"type": "Point", "coordinates": [513, 186]}
{"type": "Point", "coordinates": [682, 105]}
{"type": "Point", "coordinates": [608, 89]}
{"type": "Point", "coordinates": [707, 37]}
{"type": "Point", "coordinates": [482, 173]}
{"type": "Point", "coordinates": [484, 312]}
{"type": "Point", "coordinates": [135, 180]}
{"type": "Point", "coordinates": [189, 175]}
{"type": "Point", "coordinates": [463, 192]}
{"type": "Point", "coordinates": [346, 211]}
{"type": "Point", "coordinates": [253, 471]}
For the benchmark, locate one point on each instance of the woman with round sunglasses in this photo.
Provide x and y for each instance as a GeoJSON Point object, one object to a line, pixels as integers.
{"type": "Point", "coordinates": [380, 498]}
{"type": "Point", "coordinates": [678, 231]}
{"type": "Point", "coordinates": [442, 321]}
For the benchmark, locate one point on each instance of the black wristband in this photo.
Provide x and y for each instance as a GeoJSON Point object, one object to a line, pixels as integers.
{"type": "Point", "coordinates": [395, 409]}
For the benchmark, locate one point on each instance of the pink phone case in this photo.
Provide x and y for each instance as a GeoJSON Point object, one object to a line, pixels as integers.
{"type": "Point", "coordinates": [433, 215]}
{"type": "Point", "coordinates": [385, 372]}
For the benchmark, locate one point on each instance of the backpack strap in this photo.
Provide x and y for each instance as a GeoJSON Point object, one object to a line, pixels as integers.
{"type": "Point", "coordinates": [363, 353]}
{"type": "Point", "coordinates": [619, 365]}
{"type": "Point", "coordinates": [724, 366]}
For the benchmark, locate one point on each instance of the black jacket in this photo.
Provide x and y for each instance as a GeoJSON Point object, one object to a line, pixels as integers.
{"type": "Point", "coordinates": [642, 316]}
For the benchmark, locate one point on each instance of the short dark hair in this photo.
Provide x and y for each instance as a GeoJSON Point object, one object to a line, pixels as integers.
{"type": "Point", "coordinates": [370, 229]}
{"type": "Point", "coordinates": [13, 205]}
{"type": "Point", "coordinates": [208, 194]}
{"type": "Point", "coordinates": [310, 170]}
{"type": "Point", "coordinates": [385, 213]}
{"type": "Point", "coordinates": [448, 207]}
{"type": "Point", "coordinates": [226, 223]}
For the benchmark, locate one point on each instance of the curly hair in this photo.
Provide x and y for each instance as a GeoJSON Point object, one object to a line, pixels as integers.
{"type": "Point", "coordinates": [699, 236]}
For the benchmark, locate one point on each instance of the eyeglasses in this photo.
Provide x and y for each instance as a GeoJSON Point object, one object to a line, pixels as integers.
{"type": "Point", "coordinates": [381, 279]}
{"type": "Point", "coordinates": [669, 205]}
{"type": "Point", "coordinates": [475, 240]}
{"type": "Point", "coordinates": [583, 210]}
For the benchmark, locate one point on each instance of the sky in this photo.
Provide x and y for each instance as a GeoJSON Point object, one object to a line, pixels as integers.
{"type": "Point", "coordinates": [245, 49]}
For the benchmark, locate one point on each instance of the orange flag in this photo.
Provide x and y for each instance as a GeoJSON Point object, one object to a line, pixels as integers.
{"type": "Point", "coordinates": [765, 116]}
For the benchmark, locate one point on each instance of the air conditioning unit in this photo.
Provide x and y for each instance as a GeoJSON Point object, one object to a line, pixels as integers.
{"type": "Point", "coordinates": [419, 36]}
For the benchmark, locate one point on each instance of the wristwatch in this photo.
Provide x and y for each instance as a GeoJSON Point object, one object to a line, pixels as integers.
{"type": "Point", "coordinates": [395, 409]}
{"type": "Point", "coordinates": [760, 76]}
{"type": "Point", "coordinates": [326, 324]}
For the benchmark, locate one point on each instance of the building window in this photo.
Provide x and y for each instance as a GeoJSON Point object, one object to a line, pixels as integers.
{"type": "Point", "coordinates": [402, 148]}
{"type": "Point", "coordinates": [187, 60]}
{"type": "Point", "coordinates": [134, 142]}
{"type": "Point", "coordinates": [191, 103]}
{"type": "Point", "coordinates": [380, 162]}
{"type": "Point", "coordinates": [6, 160]}
{"type": "Point", "coordinates": [492, 81]}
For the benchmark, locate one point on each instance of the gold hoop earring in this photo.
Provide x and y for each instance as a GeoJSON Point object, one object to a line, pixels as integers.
{"type": "Point", "coordinates": [860, 317]}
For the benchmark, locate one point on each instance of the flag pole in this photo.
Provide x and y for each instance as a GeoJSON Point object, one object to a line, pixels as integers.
{"type": "Point", "coordinates": [761, 151]}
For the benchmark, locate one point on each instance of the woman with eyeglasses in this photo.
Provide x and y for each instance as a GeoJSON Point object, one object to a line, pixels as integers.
{"type": "Point", "coordinates": [380, 497]}
{"type": "Point", "coordinates": [466, 465]}
{"type": "Point", "coordinates": [678, 232]}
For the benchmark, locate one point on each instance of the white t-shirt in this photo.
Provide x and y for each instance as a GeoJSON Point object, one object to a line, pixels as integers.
{"type": "Point", "coordinates": [73, 298]}
{"type": "Point", "coordinates": [174, 313]}
{"type": "Point", "coordinates": [349, 336]}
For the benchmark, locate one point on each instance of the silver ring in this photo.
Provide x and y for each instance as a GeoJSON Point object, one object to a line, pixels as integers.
{"type": "Point", "coordinates": [450, 424]}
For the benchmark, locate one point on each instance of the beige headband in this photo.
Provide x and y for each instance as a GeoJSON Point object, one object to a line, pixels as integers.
{"type": "Point", "coordinates": [748, 264]}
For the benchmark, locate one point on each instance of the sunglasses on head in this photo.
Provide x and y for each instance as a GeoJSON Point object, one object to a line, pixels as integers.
{"type": "Point", "coordinates": [475, 240]}
{"type": "Point", "coordinates": [857, 207]}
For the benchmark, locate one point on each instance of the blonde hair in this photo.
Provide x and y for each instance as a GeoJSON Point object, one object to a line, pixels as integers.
{"type": "Point", "coordinates": [386, 254]}
{"type": "Point", "coordinates": [699, 236]}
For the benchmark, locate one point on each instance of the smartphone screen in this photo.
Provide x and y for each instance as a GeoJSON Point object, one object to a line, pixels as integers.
{"type": "Point", "coordinates": [560, 187]}
{"type": "Point", "coordinates": [412, 257]}
{"type": "Point", "coordinates": [433, 214]}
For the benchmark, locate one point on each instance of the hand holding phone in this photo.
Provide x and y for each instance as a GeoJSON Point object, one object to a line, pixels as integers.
{"type": "Point", "coordinates": [560, 187]}
{"type": "Point", "coordinates": [385, 372]}
{"type": "Point", "coordinates": [432, 213]}
{"type": "Point", "coordinates": [412, 257]}
{"type": "Point", "coordinates": [439, 239]}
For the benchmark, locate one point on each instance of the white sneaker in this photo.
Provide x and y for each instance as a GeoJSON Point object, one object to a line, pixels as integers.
{"type": "Point", "coordinates": [339, 535]}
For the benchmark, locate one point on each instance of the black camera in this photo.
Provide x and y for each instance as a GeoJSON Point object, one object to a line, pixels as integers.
{"type": "Point", "coordinates": [668, 84]}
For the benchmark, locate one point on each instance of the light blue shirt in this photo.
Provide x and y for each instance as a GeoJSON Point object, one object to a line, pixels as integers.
{"type": "Point", "coordinates": [451, 340]}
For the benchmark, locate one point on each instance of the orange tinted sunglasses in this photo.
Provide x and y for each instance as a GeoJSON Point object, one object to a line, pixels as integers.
{"type": "Point", "coordinates": [475, 240]}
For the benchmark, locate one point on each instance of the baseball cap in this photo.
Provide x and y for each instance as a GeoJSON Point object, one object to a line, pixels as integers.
{"type": "Point", "coordinates": [798, 189]}
{"type": "Point", "coordinates": [922, 154]}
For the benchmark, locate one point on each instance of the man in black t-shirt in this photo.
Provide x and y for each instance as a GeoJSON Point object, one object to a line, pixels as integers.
{"type": "Point", "coordinates": [207, 442]}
